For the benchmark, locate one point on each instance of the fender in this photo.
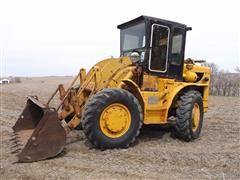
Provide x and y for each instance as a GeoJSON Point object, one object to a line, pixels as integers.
{"type": "Point", "coordinates": [135, 90]}
{"type": "Point", "coordinates": [203, 88]}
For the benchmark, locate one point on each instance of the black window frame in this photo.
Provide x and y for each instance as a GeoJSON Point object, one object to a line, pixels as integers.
{"type": "Point", "coordinates": [173, 71]}
{"type": "Point", "coordinates": [151, 45]}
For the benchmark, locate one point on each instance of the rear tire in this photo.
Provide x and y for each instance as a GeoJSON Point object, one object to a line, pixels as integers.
{"type": "Point", "coordinates": [189, 115]}
{"type": "Point", "coordinates": [112, 119]}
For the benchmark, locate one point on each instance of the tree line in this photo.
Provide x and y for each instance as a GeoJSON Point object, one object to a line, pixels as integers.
{"type": "Point", "coordinates": [224, 83]}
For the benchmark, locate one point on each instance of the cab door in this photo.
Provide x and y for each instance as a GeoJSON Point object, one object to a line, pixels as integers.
{"type": "Point", "coordinates": [166, 55]}
{"type": "Point", "coordinates": [159, 45]}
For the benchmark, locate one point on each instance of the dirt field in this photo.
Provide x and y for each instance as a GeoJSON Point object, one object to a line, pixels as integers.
{"type": "Point", "coordinates": [155, 155]}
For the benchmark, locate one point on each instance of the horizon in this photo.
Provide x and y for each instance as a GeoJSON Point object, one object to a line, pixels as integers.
{"type": "Point", "coordinates": [73, 75]}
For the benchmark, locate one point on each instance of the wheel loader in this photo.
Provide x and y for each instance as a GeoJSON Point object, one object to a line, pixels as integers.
{"type": "Point", "coordinates": [150, 83]}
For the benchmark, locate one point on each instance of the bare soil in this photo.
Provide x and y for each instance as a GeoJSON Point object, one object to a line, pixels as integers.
{"type": "Point", "coordinates": [155, 154]}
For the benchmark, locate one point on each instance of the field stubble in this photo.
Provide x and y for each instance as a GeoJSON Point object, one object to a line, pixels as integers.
{"type": "Point", "coordinates": [155, 154]}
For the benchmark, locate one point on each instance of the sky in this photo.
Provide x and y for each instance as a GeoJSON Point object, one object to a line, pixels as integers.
{"type": "Point", "coordinates": [54, 37]}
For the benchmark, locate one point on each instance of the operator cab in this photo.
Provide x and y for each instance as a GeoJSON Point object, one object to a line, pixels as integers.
{"type": "Point", "coordinates": [157, 44]}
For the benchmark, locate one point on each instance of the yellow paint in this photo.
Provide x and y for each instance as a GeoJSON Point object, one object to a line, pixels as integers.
{"type": "Point", "coordinates": [162, 92]}
{"type": "Point", "coordinates": [115, 120]}
{"type": "Point", "coordinates": [64, 113]}
{"type": "Point", "coordinates": [108, 73]}
{"type": "Point", "coordinates": [156, 95]}
{"type": "Point", "coordinates": [190, 76]}
{"type": "Point", "coordinates": [150, 82]}
{"type": "Point", "coordinates": [195, 117]}
{"type": "Point", "coordinates": [153, 111]}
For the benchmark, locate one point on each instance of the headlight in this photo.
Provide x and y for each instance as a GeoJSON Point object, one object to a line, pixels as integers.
{"type": "Point", "coordinates": [135, 57]}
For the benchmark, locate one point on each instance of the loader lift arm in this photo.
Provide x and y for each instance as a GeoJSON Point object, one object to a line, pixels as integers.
{"type": "Point", "coordinates": [47, 125]}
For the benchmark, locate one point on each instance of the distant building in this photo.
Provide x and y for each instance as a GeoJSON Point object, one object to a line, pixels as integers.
{"type": "Point", "coordinates": [4, 81]}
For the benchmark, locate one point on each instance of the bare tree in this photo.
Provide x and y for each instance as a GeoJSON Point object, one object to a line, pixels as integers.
{"type": "Point", "coordinates": [237, 69]}
{"type": "Point", "coordinates": [224, 83]}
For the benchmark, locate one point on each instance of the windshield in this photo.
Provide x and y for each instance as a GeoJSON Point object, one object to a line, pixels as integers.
{"type": "Point", "coordinates": [133, 37]}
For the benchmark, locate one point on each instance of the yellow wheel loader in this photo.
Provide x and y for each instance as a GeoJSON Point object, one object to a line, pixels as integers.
{"type": "Point", "coordinates": [150, 83]}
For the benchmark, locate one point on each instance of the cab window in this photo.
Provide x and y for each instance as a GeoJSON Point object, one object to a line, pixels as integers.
{"type": "Point", "coordinates": [159, 49]}
{"type": "Point", "coordinates": [177, 44]}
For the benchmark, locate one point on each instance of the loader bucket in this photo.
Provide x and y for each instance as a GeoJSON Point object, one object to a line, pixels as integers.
{"type": "Point", "coordinates": [39, 131]}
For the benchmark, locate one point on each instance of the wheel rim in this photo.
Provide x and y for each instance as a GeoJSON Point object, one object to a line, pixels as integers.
{"type": "Point", "coordinates": [115, 120]}
{"type": "Point", "coordinates": [195, 117]}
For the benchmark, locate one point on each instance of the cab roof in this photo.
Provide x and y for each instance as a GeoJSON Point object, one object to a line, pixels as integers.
{"type": "Point", "coordinates": [153, 19]}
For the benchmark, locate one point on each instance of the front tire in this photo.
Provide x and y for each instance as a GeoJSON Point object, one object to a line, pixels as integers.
{"type": "Point", "coordinates": [189, 115]}
{"type": "Point", "coordinates": [112, 119]}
